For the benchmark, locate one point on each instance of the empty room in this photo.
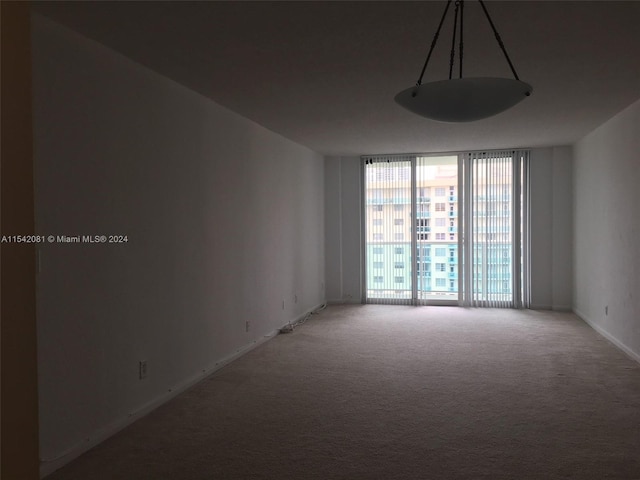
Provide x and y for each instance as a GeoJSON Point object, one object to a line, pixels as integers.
{"type": "Point", "coordinates": [320, 240]}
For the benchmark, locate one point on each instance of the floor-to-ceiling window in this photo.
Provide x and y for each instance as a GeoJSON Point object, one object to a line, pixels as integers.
{"type": "Point", "coordinates": [388, 229]}
{"type": "Point", "coordinates": [445, 229]}
{"type": "Point", "coordinates": [436, 227]}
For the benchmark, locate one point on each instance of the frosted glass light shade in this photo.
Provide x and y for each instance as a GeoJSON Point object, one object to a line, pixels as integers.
{"type": "Point", "coordinates": [464, 99]}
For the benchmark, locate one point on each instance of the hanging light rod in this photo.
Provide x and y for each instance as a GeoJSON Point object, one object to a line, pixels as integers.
{"type": "Point", "coordinates": [463, 99]}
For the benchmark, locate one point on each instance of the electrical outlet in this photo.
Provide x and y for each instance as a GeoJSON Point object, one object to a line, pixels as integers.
{"type": "Point", "coordinates": [247, 325]}
{"type": "Point", "coordinates": [142, 369]}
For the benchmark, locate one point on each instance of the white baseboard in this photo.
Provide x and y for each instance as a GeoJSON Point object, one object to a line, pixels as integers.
{"type": "Point", "coordinates": [48, 466]}
{"type": "Point", "coordinates": [343, 301]}
{"type": "Point", "coordinates": [617, 343]}
{"type": "Point", "coordinates": [562, 308]}
{"type": "Point", "coordinates": [313, 310]}
{"type": "Point", "coordinates": [555, 308]}
{"type": "Point", "coordinates": [536, 306]}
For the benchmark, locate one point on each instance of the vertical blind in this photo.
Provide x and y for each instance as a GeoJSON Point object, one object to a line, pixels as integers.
{"type": "Point", "coordinates": [494, 227]}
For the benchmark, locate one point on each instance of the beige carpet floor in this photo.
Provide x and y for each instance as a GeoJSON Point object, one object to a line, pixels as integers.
{"type": "Point", "coordinates": [397, 392]}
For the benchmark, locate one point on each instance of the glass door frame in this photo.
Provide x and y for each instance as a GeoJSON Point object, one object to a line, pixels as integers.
{"type": "Point", "coordinates": [520, 220]}
{"type": "Point", "coordinates": [414, 300]}
{"type": "Point", "coordinates": [459, 271]}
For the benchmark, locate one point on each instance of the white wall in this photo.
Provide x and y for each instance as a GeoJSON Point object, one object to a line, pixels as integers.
{"type": "Point", "coordinates": [607, 229]}
{"type": "Point", "coordinates": [551, 228]}
{"type": "Point", "coordinates": [551, 232]}
{"type": "Point", "coordinates": [225, 221]}
{"type": "Point", "coordinates": [343, 210]}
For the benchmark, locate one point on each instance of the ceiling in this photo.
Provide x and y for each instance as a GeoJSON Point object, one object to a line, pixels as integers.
{"type": "Point", "coordinates": [324, 74]}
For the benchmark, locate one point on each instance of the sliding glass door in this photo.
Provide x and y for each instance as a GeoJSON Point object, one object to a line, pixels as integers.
{"type": "Point", "coordinates": [388, 233]}
{"type": "Point", "coordinates": [436, 229]}
{"type": "Point", "coordinates": [445, 229]}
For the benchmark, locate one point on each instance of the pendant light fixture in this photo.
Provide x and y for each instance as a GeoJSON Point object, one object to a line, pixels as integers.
{"type": "Point", "coordinates": [463, 99]}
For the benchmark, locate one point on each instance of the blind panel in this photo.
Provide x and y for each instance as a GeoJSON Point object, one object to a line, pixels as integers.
{"type": "Point", "coordinates": [494, 233]}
